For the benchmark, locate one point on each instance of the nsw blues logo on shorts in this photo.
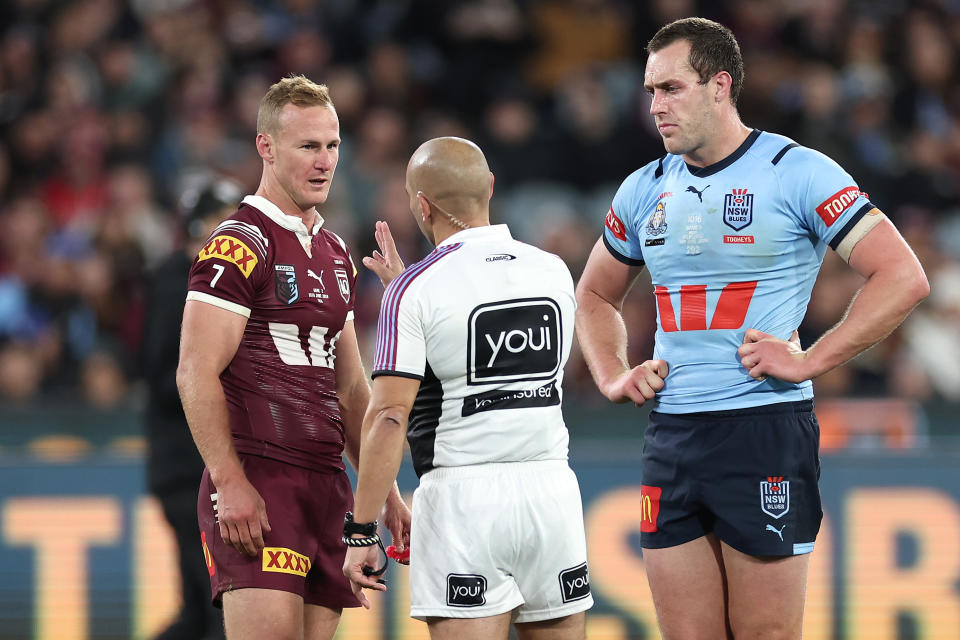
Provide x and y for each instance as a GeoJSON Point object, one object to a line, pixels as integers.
{"type": "Point", "coordinates": [775, 496]}
{"type": "Point", "coordinates": [466, 590]}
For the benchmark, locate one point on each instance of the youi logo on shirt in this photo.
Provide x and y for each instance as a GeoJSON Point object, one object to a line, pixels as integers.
{"type": "Point", "coordinates": [514, 340]}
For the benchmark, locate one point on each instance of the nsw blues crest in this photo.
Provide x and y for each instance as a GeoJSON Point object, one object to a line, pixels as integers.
{"type": "Point", "coordinates": [285, 283]}
{"type": "Point", "coordinates": [738, 209]}
{"type": "Point", "coordinates": [775, 496]}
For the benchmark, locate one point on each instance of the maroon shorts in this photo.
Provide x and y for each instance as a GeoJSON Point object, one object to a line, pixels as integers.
{"type": "Point", "coordinates": [303, 552]}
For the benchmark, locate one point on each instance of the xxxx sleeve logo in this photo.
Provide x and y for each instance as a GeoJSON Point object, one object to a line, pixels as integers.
{"type": "Point", "coordinates": [232, 250]}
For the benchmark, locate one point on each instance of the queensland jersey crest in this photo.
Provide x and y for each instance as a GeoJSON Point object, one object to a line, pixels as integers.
{"type": "Point", "coordinates": [657, 225]}
{"type": "Point", "coordinates": [738, 209]}
{"type": "Point", "coordinates": [343, 283]}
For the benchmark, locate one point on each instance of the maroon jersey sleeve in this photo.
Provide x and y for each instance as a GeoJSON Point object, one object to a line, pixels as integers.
{"type": "Point", "coordinates": [229, 267]}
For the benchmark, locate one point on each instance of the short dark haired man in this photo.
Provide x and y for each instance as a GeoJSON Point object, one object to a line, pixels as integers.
{"type": "Point", "coordinates": [733, 224]}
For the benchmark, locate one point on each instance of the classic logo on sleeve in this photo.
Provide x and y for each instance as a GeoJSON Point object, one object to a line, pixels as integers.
{"type": "Point", "coordinates": [232, 250]}
{"type": "Point", "coordinates": [466, 590]}
{"type": "Point", "coordinates": [649, 508]}
{"type": "Point", "coordinates": [831, 208]}
{"type": "Point", "coordinates": [282, 560]}
{"type": "Point", "coordinates": [615, 225]}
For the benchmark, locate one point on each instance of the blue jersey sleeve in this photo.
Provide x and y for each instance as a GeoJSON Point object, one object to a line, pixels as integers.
{"type": "Point", "coordinates": [825, 197]}
{"type": "Point", "coordinates": [619, 229]}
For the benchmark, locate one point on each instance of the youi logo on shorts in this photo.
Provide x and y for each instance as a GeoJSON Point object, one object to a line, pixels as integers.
{"type": "Point", "coordinates": [575, 583]}
{"type": "Point", "coordinates": [514, 340]}
{"type": "Point", "coordinates": [466, 590]}
{"type": "Point", "coordinates": [775, 496]}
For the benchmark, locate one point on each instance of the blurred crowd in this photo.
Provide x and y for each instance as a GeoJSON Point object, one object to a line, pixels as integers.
{"type": "Point", "coordinates": [114, 114]}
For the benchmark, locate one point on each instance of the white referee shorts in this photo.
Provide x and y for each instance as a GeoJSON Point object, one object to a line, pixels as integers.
{"type": "Point", "coordinates": [487, 539]}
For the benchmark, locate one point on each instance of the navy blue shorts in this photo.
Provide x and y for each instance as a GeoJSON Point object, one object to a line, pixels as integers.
{"type": "Point", "coordinates": [749, 476]}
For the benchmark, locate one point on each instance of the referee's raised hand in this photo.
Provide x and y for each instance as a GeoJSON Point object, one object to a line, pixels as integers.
{"type": "Point", "coordinates": [386, 262]}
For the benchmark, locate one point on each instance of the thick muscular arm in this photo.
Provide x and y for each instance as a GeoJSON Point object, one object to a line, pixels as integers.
{"type": "Point", "coordinates": [354, 395]}
{"type": "Point", "coordinates": [381, 450]}
{"type": "Point", "coordinates": [603, 334]}
{"type": "Point", "coordinates": [208, 342]}
{"type": "Point", "coordinates": [895, 284]}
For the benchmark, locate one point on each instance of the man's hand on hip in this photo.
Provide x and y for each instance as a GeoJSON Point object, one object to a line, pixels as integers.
{"type": "Point", "coordinates": [242, 515]}
{"type": "Point", "coordinates": [762, 355]}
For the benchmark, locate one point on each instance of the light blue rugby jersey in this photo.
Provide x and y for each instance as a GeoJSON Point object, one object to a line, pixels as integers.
{"type": "Point", "coordinates": [732, 246]}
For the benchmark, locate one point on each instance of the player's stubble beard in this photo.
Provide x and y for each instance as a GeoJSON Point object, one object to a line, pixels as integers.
{"type": "Point", "coordinates": [693, 131]}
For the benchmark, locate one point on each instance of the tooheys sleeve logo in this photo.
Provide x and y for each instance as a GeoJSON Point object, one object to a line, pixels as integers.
{"type": "Point", "coordinates": [615, 225]}
{"type": "Point", "coordinates": [831, 208]}
{"type": "Point", "coordinates": [232, 250]}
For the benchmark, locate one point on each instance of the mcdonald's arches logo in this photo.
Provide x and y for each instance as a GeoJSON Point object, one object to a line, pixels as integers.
{"type": "Point", "coordinates": [649, 508]}
{"type": "Point", "coordinates": [207, 556]}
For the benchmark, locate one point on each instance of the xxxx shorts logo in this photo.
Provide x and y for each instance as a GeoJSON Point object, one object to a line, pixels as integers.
{"type": "Point", "coordinates": [282, 560]}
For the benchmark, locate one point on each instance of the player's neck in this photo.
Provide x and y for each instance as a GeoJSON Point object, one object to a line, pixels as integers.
{"type": "Point", "coordinates": [275, 194]}
{"type": "Point", "coordinates": [727, 138]}
{"type": "Point", "coordinates": [442, 229]}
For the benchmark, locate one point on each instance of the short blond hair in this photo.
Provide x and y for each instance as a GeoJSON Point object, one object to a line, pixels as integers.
{"type": "Point", "coordinates": [296, 90]}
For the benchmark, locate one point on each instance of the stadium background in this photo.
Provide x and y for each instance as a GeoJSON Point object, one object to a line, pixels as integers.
{"type": "Point", "coordinates": [112, 113]}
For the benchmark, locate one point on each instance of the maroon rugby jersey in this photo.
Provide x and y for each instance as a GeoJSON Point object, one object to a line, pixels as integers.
{"type": "Point", "coordinates": [280, 386]}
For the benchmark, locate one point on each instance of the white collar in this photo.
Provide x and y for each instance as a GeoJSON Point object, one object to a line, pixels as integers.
{"type": "Point", "coordinates": [272, 211]}
{"type": "Point", "coordinates": [486, 231]}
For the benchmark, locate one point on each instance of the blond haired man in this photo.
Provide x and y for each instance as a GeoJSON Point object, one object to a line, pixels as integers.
{"type": "Point", "coordinates": [272, 385]}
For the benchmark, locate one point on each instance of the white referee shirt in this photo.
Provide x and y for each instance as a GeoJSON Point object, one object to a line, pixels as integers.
{"type": "Point", "coordinates": [486, 323]}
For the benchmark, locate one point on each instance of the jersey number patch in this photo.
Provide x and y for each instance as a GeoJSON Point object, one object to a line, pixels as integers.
{"type": "Point", "coordinates": [730, 313]}
{"type": "Point", "coordinates": [286, 337]}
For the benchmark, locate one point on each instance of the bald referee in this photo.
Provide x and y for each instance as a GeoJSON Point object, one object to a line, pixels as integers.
{"type": "Point", "coordinates": [471, 345]}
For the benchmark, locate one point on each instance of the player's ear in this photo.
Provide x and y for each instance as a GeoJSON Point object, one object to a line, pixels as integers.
{"type": "Point", "coordinates": [724, 82]}
{"type": "Point", "coordinates": [265, 146]}
{"type": "Point", "coordinates": [491, 186]}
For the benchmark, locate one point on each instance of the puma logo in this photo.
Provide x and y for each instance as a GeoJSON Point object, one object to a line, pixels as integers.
{"type": "Point", "coordinates": [311, 274]}
{"type": "Point", "coordinates": [779, 532]}
{"type": "Point", "coordinates": [692, 189]}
